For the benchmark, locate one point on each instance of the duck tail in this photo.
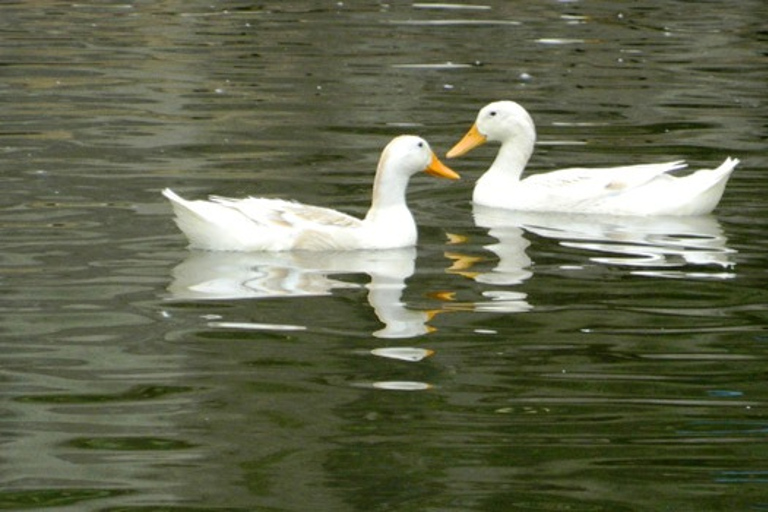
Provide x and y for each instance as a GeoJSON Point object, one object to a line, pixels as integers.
{"type": "Point", "coordinates": [711, 185]}
{"type": "Point", "coordinates": [183, 208]}
{"type": "Point", "coordinates": [727, 167]}
{"type": "Point", "coordinates": [204, 223]}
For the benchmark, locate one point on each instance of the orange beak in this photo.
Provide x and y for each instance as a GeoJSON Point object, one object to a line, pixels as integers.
{"type": "Point", "coordinates": [439, 169]}
{"type": "Point", "coordinates": [471, 140]}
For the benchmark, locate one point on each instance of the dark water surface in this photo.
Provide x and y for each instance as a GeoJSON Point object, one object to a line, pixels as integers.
{"type": "Point", "coordinates": [509, 362]}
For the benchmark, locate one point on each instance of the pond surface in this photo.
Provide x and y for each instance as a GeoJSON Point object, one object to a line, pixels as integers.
{"type": "Point", "coordinates": [509, 362]}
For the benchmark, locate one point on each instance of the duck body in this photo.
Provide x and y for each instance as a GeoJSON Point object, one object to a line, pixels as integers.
{"type": "Point", "coordinates": [646, 189]}
{"type": "Point", "coordinates": [262, 224]}
{"type": "Point", "coordinates": [265, 224]}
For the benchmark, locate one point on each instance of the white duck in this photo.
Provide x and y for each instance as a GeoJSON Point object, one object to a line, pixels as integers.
{"type": "Point", "coordinates": [627, 190]}
{"type": "Point", "coordinates": [261, 224]}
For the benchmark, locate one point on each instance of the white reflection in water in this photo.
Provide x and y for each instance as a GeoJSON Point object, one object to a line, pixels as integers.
{"type": "Point", "coordinates": [457, 22]}
{"type": "Point", "coordinates": [445, 65]}
{"type": "Point", "coordinates": [670, 247]}
{"type": "Point", "coordinates": [513, 268]}
{"type": "Point", "coordinates": [398, 385]}
{"type": "Point", "coordinates": [464, 7]}
{"type": "Point", "coordinates": [257, 327]}
{"type": "Point", "coordinates": [687, 244]}
{"type": "Point", "coordinates": [409, 354]}
{"type": "Point", "coordinates": [233, 276]}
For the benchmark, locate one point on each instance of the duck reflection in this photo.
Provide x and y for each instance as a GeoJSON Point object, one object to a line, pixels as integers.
{"type": "Point", "coordinates": [671, 247]}
{"type": "Point", "coordinates": [661, 246]}
{"type": "Point", "coordinates": [512, 268]}
{"type": "Point", "coordinates": [232, 276]}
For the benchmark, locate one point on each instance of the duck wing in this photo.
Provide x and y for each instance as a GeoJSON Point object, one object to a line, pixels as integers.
{"type": "Point", "coordinates": [282, 214]}
{"type": "Point", "coordinates": [257, 224]}
{"type": "Point", "coordinates": [293, 225]}
{"type": "Point", "coordinates": [609, 179]}
{"type": "Point", "coordinates": [579, 184]}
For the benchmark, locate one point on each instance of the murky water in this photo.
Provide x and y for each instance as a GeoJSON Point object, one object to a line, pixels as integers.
{"type": "Point", "coordinates": [509, 362]}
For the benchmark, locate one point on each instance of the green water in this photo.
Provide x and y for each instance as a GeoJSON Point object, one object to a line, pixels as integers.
{"type": "Point", "coordinates": [509, 362]}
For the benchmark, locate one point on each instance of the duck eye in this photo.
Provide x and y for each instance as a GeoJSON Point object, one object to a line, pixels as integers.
{"type": "Point", "coordinates": [493, 113]}
{"type": "Point", "coordinates": [421, 144]}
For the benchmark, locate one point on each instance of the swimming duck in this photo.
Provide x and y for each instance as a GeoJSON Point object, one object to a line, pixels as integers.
{"type": "Point", "coordinates": [262, 224]}
{"type": "Point", "coordinates": [646, 189]}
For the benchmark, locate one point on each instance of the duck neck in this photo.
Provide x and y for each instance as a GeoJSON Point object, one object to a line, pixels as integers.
{"type": "Point", "coordinates": [511, 159]}
{"type": "Point", "coordinates": [506, 169]}
{"type": "Point", "coordinates": [388, 194]}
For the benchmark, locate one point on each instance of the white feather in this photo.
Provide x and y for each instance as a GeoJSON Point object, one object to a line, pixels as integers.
{"type": "Point", "coordinates": [262, 224]}
{"type": "Point", "coordinates": [646, 189]}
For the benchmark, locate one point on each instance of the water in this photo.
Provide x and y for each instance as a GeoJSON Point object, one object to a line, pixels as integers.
{"type": "Point", "coordinates": [509, 362]}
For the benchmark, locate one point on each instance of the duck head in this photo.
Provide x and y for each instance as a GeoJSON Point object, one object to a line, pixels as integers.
{"type": "Point", "coordinates": [500, 121]}
{"type": "Point", "coordinates": [409, 154]}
